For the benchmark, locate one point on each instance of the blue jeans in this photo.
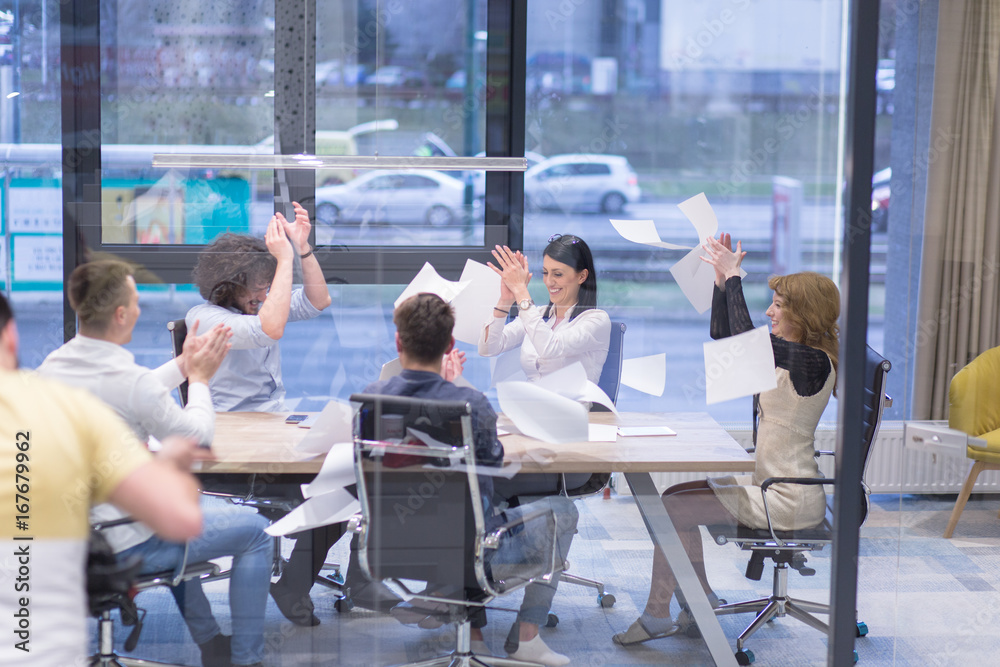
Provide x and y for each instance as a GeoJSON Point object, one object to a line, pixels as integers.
{"type": "Point", "coordinates": [225, 532]}
{"type": "Point", "coordinates": [524, 553]}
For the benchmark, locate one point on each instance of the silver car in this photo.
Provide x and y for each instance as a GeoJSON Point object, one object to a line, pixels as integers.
{"type": "Point", "coordinates": [581, 181]}
{"type": "Point", "coordinates": [394, 197]}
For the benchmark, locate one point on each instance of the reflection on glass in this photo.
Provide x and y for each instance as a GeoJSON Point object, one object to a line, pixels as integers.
{"type": "Point", "coordinates": [638, 111]}
{"type": "Point", "coordinates": [184, 80]}
{"type": "Point", "coordinates": [397, 79]}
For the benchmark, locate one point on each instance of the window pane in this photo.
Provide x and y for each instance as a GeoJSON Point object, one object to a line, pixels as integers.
{"type": "Point", "coordinates": [184, 77]}
{"type": "Point", "coordinates": [641, 110]}
{"type": "Point", "coordinates": [394, 79]}
{"type": "Point", "coordinates": [31, 174]}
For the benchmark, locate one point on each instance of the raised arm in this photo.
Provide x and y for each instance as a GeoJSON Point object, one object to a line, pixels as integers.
{"type": "Point", "coordinates": [312, 275]}
{"type": "Point", "coordinates": [273, 312]}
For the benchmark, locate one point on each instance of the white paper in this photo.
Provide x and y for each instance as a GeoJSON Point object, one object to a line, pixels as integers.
{"type": "Point", "coordinates": [644, 232]}
{"type": "Point", "coordinates": [507, 368]}
{"type": "Point", "coordinates": [336, 473]}
{"type": "Point", "coordinates": [391, 368]}
{"type": "Point", "coordinates": [324, 510]}
{"type": "Point", "coordinates": [542, 414]}
{"type": "Point", "coordinates": [428, 280]}
{"type": "Point", "coordinates": [695, 278]}
{"type": "Point", "coordinates": [740, 365]}
{"type": "Point", "coordinates": [474, 304]}
{"type": "Point", "coordinates": [647, 374]}
{"type": "Point", "coordinates": [334, 424]}
{"type": "Point", "coordinates": [635, 431]}
{"type": "Point", "coordinates": [700, 213]}
{"type": "Point", "coordinates": [571, 381]}
{"type": "Point", "coordinates": [602, 433]}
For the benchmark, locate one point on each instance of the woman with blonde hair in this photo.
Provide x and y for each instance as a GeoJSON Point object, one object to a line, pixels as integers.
{"type": "Point", "coordinates": [804, 338]}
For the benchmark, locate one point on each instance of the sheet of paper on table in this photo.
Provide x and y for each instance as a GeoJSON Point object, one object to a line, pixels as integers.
{"type": "Point", "coordinates": [602, 433]}
{"type": "Point", "coordinates": [634, 431]}
{"type": "Point", "coordinates": [737, 366]}
{"type": "Point", "coordinates": [324, 510]}
{"type": "Point", "coordinates": [334, 424]}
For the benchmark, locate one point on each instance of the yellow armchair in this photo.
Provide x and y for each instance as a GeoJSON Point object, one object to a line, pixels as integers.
{"type": "Point", "coordinates": [974, 407]}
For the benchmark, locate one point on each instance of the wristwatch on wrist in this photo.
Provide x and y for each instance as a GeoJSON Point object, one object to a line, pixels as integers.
{"type": "Point", "coordinates": [525, 304]}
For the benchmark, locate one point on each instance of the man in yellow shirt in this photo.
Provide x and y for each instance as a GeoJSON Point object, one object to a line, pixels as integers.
{"type": "Point", "coordinates": [61, 450]}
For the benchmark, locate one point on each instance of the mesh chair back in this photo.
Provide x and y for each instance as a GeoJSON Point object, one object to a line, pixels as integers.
{"type": "Point", "coordinates": [178, 332]}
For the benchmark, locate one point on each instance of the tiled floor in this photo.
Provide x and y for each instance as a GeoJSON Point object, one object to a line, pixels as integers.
{"type": "Point", "coordinates": [926, 600]}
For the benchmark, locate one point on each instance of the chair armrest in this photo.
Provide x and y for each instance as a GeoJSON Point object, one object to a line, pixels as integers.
{"type": "Point", "coordinates": [803, 481]}
{"type": "Point", "coordinates": [114, 523]}
{"type": "Point", "coordinates": [491, 540]}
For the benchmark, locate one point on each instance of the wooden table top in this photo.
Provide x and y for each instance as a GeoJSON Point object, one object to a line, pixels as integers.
{"type": "Point", "coordinates": [261, 442]}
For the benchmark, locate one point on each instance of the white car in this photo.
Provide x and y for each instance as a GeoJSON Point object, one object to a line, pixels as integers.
{"type": "Point", "coordinates": [405, 196]}
{"type": "Point", "coordinates": [479, 176]}
{"type": "Point", "coordinates": [581, 181]}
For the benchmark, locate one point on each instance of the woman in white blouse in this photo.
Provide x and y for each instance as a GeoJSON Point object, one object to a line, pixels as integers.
{"type": "Point", "coordinates": [569, 329]}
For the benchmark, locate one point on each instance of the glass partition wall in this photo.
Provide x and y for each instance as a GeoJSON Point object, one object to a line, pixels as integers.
{"type": "Point", "coordinates": [622, 108]}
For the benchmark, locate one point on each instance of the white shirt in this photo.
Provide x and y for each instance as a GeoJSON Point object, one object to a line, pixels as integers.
{"type": "Point", "coordinates": [249, 378]}
{"type": "Point", "coordinates": [141, 396]}
{"type": "Point", "coordinates": [547, 346]}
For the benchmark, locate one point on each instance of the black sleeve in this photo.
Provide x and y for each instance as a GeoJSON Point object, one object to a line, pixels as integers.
{"type": "Point", "coordinates": [807, 366]}
{"type": "Point", "coordinates": [730, 315]}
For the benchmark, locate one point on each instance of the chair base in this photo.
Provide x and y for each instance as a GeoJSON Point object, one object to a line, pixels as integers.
{"type": "Point", "coordinates": [464, 657]}
{"type": "Point", "coordinates": [106, 656]}
{"type": "Point", "coordinates": [779, 604]}
{"type": "Point", "coordinates": [604, 599]}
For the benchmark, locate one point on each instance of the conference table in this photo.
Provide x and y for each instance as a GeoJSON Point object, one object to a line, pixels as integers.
{"type": "Point", "coordinates": [263, 444]}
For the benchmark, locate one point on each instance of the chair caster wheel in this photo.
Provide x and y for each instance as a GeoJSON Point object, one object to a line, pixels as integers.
{"type": "Point", "coordinates": [745, 657]}
{"type": "Point", "coordinates": [343, 605]}
{"type": "Point", "coordinates": [856, 658]}
{"type": "Point", "coordinates": [862, 629]}
{"type": "Point", "coordinates": [552, 621]}
{"type": "Point", "coordinates": [607, 600]}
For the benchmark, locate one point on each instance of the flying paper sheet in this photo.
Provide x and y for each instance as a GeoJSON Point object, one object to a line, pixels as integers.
{"type": "Point", "coordinates": [507, 368]}
{"type": "Point", "coordinates": [700, 213]}
{"type": "Point", "coordinates": [542, 414]}
{"type": "Point", "coordinates": [332, 425]}
{"type": "Point", "coordinates": [695, 278]}
{"type": "Point", "coordinates": [571, 381]}
{"type": "Point", "coordinates": [647, 374]}
{"type": "Point", "coordinates": [336, 473]}
{"type": "Point", "coordinates": [644, 232]}
{"type": "Point", "coordinates": [324, 510]}
{"type": "Point", "coordinates": [740, 365]}
{"type": "Point", "coordinates": [474, 304]}
{"type": "Point", "coordinates": [428, 280]}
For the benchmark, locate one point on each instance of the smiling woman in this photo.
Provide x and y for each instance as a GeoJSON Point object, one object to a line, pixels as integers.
{"type": "Point", "coordinates": [569, 329]}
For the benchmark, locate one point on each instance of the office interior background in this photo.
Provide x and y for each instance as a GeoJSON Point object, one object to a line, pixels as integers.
{"type": "Point", "coordinates": [744, 100]}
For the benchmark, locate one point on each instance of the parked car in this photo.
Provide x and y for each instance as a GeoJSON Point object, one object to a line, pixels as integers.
{"type": "Point", "coordinates": [403, 196]}
{"type": "Point", "coordinates": [880, 200]}
{"type": "Point", "coordinates": [479, 176]}
{"type": "Point", "coordinates": [581, 181]}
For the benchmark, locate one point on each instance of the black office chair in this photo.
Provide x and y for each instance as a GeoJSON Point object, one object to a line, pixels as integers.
{"type": "Point", "coordinates": [422, 516]}
{"type": "Point", "coordinates": [113, 584]}
{"type": "Point", "coordinates": [787, 548]}
{"type": "Point", "coordinates": [178, 332]}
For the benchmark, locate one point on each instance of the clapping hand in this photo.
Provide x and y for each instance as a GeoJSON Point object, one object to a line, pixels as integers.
{"type": "Point", "coordinates": [512, 267]}
{"type": "Point", "coordinates": [452, 364]}
{"type": "Point", "coordinates": [720, 254]}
